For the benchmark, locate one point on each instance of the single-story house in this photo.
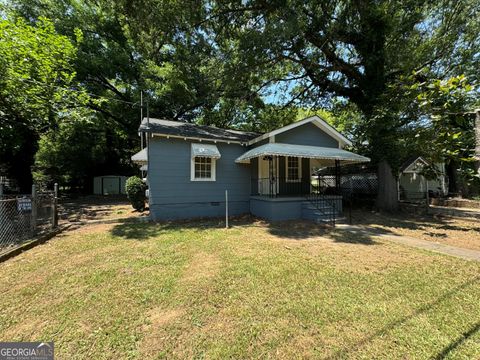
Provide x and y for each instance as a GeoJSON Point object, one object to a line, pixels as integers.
{"type": "Point", "coordinates": [414, 185]}
{"type": "Point", "coordinates": [268, 175]}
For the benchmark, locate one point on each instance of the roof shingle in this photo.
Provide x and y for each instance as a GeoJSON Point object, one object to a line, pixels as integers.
{"type": "Point", "coordinates": [189, 130]}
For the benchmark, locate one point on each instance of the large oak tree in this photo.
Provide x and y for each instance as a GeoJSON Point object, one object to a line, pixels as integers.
{"type": "Point", "coordinates": [352, 49]}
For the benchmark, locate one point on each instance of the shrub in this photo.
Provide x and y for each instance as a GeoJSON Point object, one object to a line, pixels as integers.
{"type": "Point", "coordinates": [135, 189]}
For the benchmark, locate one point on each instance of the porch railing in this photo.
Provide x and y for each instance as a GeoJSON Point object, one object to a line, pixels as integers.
{"type": "Point", "coordinates": [273, 187]}
{"type": "Point", "coordinates": [322, 201]}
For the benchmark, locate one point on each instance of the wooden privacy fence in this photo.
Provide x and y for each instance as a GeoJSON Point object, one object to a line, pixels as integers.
{"type": "Point", "coordinates": [25, 216]}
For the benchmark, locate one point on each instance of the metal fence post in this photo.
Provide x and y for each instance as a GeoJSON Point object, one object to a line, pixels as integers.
{"type": "Point", "coordinates": [1, 190]}
{"type": "Point", "coordinates": [34, 210]}
{"type": "Point", "coordinates": [427, 195]}
{"type": "Point", "coordinates": [55, 208]}
{"type": "Point", "coordinates": [226, 209]}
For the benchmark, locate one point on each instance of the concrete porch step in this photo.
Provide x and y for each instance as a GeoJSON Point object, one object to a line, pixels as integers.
{"type": "Point", "coordinates": [341, 220]}
{"type": "Point", "coordinates": [319, 208]}
{"type": "Point", "coordinates": [319, 212]}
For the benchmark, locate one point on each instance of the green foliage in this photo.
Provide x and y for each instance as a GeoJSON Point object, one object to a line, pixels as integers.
{"type": "Point", "coordinates": [135, 189]}
{"type": "Point", "coordinates": [449, 134]}
{"type": "Point", "coordinates": [345, 51]}
{"type": "Point", "coordinates": [255, 65]}
{"type": "Point", "coordinates": [36, 88]}
{"type": "Point", "coordinates": [106, 67]}
{"type": "Point", "coordinates": [68, 154]}
{"type": "Point", "coordinates": [448, 103]}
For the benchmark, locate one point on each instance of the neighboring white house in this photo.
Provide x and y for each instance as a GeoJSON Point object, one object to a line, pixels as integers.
{"type": "Point", "coordinates": [413, 185]}
{"type": "Point", "coordinates": [109, 185]}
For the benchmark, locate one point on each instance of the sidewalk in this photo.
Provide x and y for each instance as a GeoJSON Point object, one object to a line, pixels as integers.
{"type": "Point", "coordinates": [414, 242]}
{"type": "Point", "coordinates": [464, 213]}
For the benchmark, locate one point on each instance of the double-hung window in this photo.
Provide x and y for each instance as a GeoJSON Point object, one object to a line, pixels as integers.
{"type": "Point", "coordinates": [204, 168]}
{"type": "Point", "coordinates": [203, 165]}
{"type": "Point", "coordinates": [293, 169]}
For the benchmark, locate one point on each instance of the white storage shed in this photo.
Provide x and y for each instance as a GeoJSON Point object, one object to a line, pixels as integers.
{"type": "Point", "coordinates": [109, 185]}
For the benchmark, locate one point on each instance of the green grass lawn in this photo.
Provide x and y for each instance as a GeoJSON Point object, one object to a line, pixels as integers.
{"type": "Point", "coordinates": [196, 290]}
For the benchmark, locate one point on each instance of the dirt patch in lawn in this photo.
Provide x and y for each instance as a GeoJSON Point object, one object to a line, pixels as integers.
{"type": "Point", "coordinates": [25, 330]}
{"type": "Point", "coordinates": [155, 330]}
{"type": "Point", "coordinates": [203, 266]}
{"type": "Point", "coordinates": [462, 233]}
{"type": "Point", "coordinates": [92, 228]}
{"type": "Point", "coordinates": [91, 208]}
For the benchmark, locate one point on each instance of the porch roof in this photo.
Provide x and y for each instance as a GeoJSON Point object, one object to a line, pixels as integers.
{"type": "Point", "coordinates": [140, 157]}
{"type": "Point", "coordinates": [302, 151]}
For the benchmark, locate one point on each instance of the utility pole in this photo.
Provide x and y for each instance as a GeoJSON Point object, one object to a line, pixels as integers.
{"type": "Point", "coordinates": [148, 115]}
{"type": "Point", "coordinates": [141, 118]}
{"type": "Point", "coordinates": [477, 141]}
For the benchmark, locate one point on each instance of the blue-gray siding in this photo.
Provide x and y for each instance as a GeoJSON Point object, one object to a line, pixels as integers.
{"type": "Point", "coordinates": [279, 209]}
{"type": "Point", "coordinates": [308, 134]}
{"type": "Point", "coordinates": [276, 209]}
{"type": "Point", "coordinates": [174, 196]}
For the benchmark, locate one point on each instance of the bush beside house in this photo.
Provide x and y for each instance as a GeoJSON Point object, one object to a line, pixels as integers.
{"type": "Point", "coordinates": [135, 189]}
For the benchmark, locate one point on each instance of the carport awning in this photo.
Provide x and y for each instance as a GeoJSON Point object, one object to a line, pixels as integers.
{"type": "Point", "coordinates": [140, 157]}
{"type": "Point", "coordinates": [205, 150]}
{"type": "Point", "coordinates": [302, 151]}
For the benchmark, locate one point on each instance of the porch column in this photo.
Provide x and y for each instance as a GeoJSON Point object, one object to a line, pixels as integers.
{"type": "Point", "coordinates": [337, 176]}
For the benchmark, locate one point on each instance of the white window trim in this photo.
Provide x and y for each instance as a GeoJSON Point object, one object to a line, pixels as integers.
{"type": "Point", "coordinates": [192, 171]}
{"type": "Point", "coordinates": [299, 170]}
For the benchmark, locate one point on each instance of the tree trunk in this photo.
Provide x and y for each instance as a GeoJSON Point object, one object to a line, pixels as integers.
{"type": "Point", "coordinates": [452, 178]}
{"type": "Point", "coordinates": [387, 199]}
{"type": "Point", "coordinates": [477, 141]}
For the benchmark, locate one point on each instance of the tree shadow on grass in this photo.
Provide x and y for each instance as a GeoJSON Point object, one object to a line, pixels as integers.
{"type": "Point", "coordinates": [459, 341]}
{"type": "Point", "coordinates": [406, 221]}
{"type": "Point", "coordinates": [458, 228]}
{"type": "Point", "coordinates": [296, 229]}
{"type": "Point", "coordinates": [134, 230]}
{"type": "Point", "coordinates": [304, 230]}
{"type": "Point", "coordinates": [353, 237]}
{"type": "Point", "coordinates": [417, 312]}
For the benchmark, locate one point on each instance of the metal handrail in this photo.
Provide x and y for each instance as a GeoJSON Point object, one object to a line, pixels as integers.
{"type": "Point", "coordinates": [320, 196]}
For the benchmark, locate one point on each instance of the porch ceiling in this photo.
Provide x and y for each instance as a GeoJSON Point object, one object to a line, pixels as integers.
{"type": "Point", "coordinates": [302, 151]}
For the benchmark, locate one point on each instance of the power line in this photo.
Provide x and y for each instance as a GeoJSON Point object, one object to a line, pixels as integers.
{"type": "Point", "coordinates": [80, 91]}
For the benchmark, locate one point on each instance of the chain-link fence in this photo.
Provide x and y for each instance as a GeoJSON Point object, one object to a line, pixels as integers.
{"type": "Point", "coordinates": [23, 217]}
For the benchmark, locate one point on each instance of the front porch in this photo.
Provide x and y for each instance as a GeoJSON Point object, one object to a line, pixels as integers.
{"type": "Point", "coordinates": [284, 185]}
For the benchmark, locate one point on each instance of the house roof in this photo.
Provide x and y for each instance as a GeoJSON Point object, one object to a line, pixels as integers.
{"type": "Point", "coordinates": [193, 131]}
{"type": "Point", "coordinates": [303, 151]}
{"type": "Point", "coordinates": [316, 120]}
{"type": "Point", "coordinates": [408, 165]}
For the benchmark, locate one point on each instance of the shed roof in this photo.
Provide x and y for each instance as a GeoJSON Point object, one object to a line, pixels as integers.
{"type": "Point", "coordinates": [194, 131]}
{"type": "Point", "coordinates": [303, 151]}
